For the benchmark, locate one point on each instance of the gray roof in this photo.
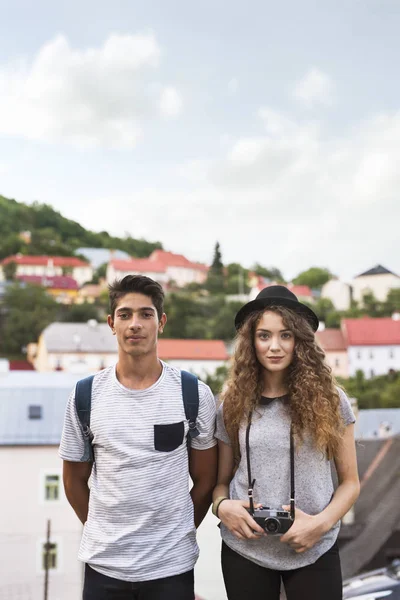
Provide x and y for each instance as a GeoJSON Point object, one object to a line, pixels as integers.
{"type": "Point", "coordinates": [369, 420]}
{"type": "Point", "coordinates": [99, 256]}
{"type": "Point", "coordinates": [377, 511]}
{"type": "Point", "coordinates": [377, 270]}
{"type": "Point", "coordinates": [19, 391]}
{"type": "Point", "coordinates": [80, 337]}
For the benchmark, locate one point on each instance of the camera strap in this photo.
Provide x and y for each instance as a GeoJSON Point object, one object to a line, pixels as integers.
{"type": "Point", "coordinates": [252, 481]}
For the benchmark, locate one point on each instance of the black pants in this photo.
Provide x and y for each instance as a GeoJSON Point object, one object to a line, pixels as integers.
{"type": "Point", "coordinates": [244, 580]}
{"type": "Point", "coordinates": [101, 587]}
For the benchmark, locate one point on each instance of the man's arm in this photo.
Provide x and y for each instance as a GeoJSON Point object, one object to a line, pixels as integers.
{"type": "Point", "coordinates": [75, 477]}
{"type": "Point", "coordinates": [203, 471]}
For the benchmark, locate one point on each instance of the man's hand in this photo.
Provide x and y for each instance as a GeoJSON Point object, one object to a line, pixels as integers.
{"type": "Point", "coordinates": [305, 531]}
{"type": "Point", "coordinates": [235, 517]}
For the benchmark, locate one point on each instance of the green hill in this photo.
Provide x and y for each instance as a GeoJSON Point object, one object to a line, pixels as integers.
{"type": "Point", "coordinates": [51, 233]}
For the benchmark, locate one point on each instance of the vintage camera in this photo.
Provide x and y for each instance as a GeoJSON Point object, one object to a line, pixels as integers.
{"type": "Point", "coordinates": [274, 521]}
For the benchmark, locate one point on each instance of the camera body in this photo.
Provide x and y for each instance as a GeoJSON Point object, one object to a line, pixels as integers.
{"type": "Point", "coordinates": [274, 521]}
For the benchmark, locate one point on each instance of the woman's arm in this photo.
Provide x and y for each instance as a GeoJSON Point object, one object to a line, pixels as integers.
{"type": "Point", "coordinates": [308, 529]}
{"type": "Point", "coordinates": [232, 513]}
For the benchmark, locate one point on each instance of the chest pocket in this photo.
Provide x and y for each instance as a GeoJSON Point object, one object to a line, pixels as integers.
{"type": "Point", "coordinates": [168, 437]}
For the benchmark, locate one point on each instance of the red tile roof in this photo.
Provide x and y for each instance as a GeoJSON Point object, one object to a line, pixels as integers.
{"type": "Point", "coordinates": [21, 365]}
{"type": "Point", "coordinates": [300, 290]}
{"type": "Point", "coordinates": [58, 261]}
{"type": "Point", "coordinates": [56, 282]}
{"type": "Point", "coordinates": [169, 259]}
{"type": "Point", "coordinates": [371, 332]}
{"type": "Point", "coordinates": [138, 265]}
{"type": "Point", "coordinates": [192, 349]}
{"type": "Point", "coordinates": [331, 340]}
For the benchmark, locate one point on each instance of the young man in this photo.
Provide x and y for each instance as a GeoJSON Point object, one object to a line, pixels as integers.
{"type": "Point", "coordinates": [139, 537]}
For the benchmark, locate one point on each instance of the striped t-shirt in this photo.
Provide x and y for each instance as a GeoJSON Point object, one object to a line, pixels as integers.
{"type": "Point", "coordinates": [140, 524]}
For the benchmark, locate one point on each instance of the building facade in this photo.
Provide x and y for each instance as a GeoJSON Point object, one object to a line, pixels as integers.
{"type": "Point", "coordinates": [32, 409]}
{"type": "Point", "coordinates": [49, 266]}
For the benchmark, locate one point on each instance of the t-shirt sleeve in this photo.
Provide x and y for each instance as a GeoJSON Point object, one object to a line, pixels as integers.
{"type": "Point", "coordinates": [205, 419]}
{"type": "Point", "coordinates": [72, 441]}
{"type": "Point", "coordinates": [345, 408]}
{"type": "Point", "coordinates": [220, 432]}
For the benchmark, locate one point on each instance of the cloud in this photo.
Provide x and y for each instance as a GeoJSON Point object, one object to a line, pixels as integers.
{"type": "Point", "coordinates": [289, 197]}
{"type": "Point", "coordinates": [93, 97]}
{"type": "Point", "coordinates": [315, 88]}
{"type": "Point", "coordinates": [233, 86]}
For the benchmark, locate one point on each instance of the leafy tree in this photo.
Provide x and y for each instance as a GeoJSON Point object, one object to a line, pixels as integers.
{"type": "Point", "coordinates": [222, 325]}
{"type": "Point", "coordinates": [371, 305]}
{"type": "Point", "coordinates": [271, 273]}
{"type": "Point", "coordinates": [28, 310]}
{"type": "Point", "coordinates": [10, 270]}
{"type": "Point", "coordinates": [215, 283]}
{"type": "Point", "coordinates": [217, 380]}
{"type": "Point", "coordinates": [315, 277]}
{"type": "Point", "coordinates": [237, 279]}
{"type": "Point", "coordinates": [392, 303]}
{"type": "Point", "coordinates": [79, 313]}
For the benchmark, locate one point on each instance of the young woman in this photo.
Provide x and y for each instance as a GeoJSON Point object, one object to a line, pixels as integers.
{"type": "Point", "coordinates": [280, 391]}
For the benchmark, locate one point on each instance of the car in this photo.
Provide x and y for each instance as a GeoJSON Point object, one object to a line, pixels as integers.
{"type": "Point", "coordinates": [372, 585]}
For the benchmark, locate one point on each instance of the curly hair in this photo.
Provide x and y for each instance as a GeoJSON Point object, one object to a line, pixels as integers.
{"type": "Point", "coordinates": [314, 398]}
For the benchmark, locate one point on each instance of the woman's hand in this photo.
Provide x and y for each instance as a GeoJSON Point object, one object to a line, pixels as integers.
{"type": "Point", "coordinates": [235, 517]}
{"type": "Point", "coordinates": [305, 531]}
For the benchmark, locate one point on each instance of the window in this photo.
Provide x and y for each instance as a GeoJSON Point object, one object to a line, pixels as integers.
{"type": "Point", "coordinates": [358, 354]}
{"type": "Point", "coordinates": [337, 362]}
{"type": "Point", "coordinates": [52, 487]}
{"type": "Point", "coordinates": [49, 556]}
{"type": "Point", "coordinates": [371, 354]}
{"type": "Point", "coordinates": [391, 353]}
{"type": "Point", "coordinates": [34, 412]}
{"type": "Point", "coordinates": [372, 373]}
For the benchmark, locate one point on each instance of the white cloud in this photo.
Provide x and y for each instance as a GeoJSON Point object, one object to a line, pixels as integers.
{"type": "Point", "coordinates": [316, 87]}
{"type": "Point", "coordinates": [288, 197]}
{"type": "Point", "coordinates": [233, 86]}
{"type": "Point", "coordinates": [170, 102]}
{"type": "Point", "coordinates": [93, 97]}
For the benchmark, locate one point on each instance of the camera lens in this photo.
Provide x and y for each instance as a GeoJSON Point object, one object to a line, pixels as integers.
{"type": "Point", "coordinates": [271, 525]}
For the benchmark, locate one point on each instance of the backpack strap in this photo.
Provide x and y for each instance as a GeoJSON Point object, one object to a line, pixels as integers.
{"type": "Point", "coordinates": [190, 394]}
{"type": "Point", "coordinates": [83, 403]}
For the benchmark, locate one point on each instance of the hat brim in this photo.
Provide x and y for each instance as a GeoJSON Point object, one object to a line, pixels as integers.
{"type": "Point", "coordinates": [261, 303]}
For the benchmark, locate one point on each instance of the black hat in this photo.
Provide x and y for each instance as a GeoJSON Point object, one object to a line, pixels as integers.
{"type": "Point", "coordinates": [276, 295]}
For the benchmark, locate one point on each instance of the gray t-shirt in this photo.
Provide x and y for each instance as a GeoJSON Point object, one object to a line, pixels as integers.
{"type": "Point", "coordinates": [270, 466]}
{"type": "Point", "coordinates": [140, 524]}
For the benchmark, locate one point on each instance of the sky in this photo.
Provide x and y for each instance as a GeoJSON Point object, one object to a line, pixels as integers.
{"type": "Point", "coordinates": [272, 128]}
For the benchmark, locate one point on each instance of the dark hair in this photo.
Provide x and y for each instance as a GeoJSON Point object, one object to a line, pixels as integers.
{"type": "Point", "coordinates": [139, 284]}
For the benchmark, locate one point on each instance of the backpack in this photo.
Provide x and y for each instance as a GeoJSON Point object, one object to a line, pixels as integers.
{"type": "Point", "coordinates": [83, 401]}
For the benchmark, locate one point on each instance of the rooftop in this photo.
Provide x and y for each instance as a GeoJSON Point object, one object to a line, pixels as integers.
{"type": "Point", "coordinates": [369, 331]}
{"type": "Point", "coordinates": [57, 261]}
{"type": "Point", "coordinates": [377, 270]}
{"type": "Point", "coordinates": [331, 340]}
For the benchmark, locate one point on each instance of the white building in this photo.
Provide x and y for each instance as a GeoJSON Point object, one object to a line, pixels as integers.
{"type": "Point", "coordinates": [161, 266]}
{"type": "Point", "coordinates": [202, 357]}
{"type": "Point", "coordinates": [338, 292]}
{"type": "Point", "coordinates": [378, 281]}
{"type": "Point", "coordinates": [32, 407]}
{"type": "Point", "coordinates": [373, 345]}
{"type": "Point", "coordinates": [90, 347]}
{"type": "Point", "coordinates": [49, 266]}
{"type": "Point", "coordinates": [74, 347]}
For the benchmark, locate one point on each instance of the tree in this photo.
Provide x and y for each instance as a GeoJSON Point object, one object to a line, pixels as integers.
{"type": "Point", "coordinates": [215, 283]}
{"type": "Point", "coordinates": [315, 277]}
{"type": "Point", "coordinates": [217, 380]}
{"type": "Point", "coordinates": [392, 303]}
{"type": "Point", "coordinates": [28, 310]}
{"type": "Point", "coordinates": [10, 270]}
{"type": "Point", "coordinates": [237, 279]}
{"type": "Point", "coordinates": [271, 273]}
{"type": "Point", "coordinates": [79, 313]}
{"type": "Point", "coordinates": [372, 306]}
